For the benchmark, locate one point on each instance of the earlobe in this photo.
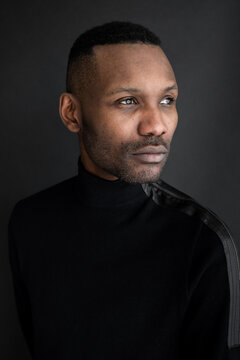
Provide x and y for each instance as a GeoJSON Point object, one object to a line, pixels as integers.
{"type": "Point", "coordinates": [69, 110]}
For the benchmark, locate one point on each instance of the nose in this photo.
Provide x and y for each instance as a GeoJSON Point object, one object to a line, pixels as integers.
{"type": "Point", "coordinates": [152, 122]}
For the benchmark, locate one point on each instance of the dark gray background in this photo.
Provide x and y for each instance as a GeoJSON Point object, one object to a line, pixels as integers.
{"type": "Point", "coordinates": [201, 39]}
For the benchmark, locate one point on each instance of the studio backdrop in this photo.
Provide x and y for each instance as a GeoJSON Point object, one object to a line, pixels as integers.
{"type": "Point", "coordinates": [201, 40]}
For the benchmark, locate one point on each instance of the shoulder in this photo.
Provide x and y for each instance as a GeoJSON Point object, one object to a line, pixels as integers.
{"type": "Point", "coordinates": [169, 197]}
{"type": "Point", "coordinates": [215, 242]}
{"type": "Point", "coordinates": [44, 201]}
{"type": "Point", "coordinates": [212, 225]}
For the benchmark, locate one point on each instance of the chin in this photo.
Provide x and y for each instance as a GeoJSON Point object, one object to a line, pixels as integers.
{"type": "Point", "coordinates": [146, 175]}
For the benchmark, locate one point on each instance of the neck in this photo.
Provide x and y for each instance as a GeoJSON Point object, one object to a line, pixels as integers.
{"type": "Point", "coordinates": [95, 191]}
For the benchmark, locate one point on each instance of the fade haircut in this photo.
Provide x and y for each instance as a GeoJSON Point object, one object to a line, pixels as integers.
{"type": "Point", "coordinates": [82, 62]}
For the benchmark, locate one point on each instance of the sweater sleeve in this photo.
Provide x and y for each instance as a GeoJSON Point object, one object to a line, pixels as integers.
{"type": "Point", "coordinates": [20, 290]}
{"type": "Point", "coordinates": [204, 334]}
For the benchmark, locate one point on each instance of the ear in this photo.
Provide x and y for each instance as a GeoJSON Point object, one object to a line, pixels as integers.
{"type": "Point", "coordinates": [70, 112]}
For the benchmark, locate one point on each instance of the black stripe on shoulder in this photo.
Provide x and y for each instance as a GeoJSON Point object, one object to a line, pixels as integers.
{"type": "Point", "coordinates": [167, 196]}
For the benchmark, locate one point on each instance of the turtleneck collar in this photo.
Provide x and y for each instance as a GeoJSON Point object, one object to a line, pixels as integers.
{"type": "Point", "coordinates": [94, 191]}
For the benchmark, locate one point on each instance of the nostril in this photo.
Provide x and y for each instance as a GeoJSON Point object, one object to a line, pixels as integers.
{"type": "Point", "coordinates": [153, 125]}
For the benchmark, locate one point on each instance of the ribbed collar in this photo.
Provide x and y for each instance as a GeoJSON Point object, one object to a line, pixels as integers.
{"type": "Point", "coordinates": [94, 191]}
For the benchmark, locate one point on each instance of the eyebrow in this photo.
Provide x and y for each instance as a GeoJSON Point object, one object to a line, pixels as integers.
{"type": "Point", "coordinates": [119, 90]}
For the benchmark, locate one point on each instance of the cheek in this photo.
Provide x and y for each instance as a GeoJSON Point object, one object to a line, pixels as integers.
{"type": "Point", "coordinates": [95, 125]}
{"type": "Point", "coordinates": [117, 127]}
{"type": "Point", "coordinates": [107, 132]}
{"type": "Point", "coordinates": [175, 122]}
{"type": "Point", "coordinates": [108, 125]}
{"type": "Point", "coordinates": [172, 121]}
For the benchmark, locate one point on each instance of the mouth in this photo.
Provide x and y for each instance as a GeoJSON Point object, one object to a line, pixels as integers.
{"type": "Point", "coordinates": [151, 154]}
{"type": "Point", "coordinates": [149, 157]}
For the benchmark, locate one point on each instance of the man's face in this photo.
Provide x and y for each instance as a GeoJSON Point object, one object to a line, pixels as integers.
{"type": "Point", "coordinates": [130, 106]}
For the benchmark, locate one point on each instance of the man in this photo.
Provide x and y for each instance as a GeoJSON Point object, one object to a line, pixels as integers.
{"type": "Point", "coordinates": [114, 263]}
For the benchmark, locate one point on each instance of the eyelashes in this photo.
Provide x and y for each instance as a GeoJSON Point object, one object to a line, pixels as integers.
{"type": "Point", "coordinates": [168, 100]}
{"type": "Point", "coordinates": [128, 101]}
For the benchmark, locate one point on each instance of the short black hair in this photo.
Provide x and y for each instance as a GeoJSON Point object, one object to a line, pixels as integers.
{"type": "Point", "coordinates": [115, 32]}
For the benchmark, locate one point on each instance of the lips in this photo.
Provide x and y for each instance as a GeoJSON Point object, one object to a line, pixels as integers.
{"type": "Point", "coordinates": [149, 158]}
{"type": "Point", "coordinates": [150, 154]}
{"type": "Point", "coordinates": [149, 150]}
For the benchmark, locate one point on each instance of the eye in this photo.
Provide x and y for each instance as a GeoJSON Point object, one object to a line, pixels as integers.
{"type": "Point", "coordinates": [128, 101]}
{"type": "Point", "coordinates": [167, 101]}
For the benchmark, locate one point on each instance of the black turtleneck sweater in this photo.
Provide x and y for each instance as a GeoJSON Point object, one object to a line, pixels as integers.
{"type": "Point", "coordinates": [111, 270]}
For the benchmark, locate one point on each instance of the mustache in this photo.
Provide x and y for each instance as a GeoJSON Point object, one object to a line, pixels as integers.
{"type": "Point", "coordinates": [148, 141]}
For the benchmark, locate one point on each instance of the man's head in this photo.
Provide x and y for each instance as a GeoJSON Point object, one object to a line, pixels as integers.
{"type": "Point", "coordinates": [120, 100]}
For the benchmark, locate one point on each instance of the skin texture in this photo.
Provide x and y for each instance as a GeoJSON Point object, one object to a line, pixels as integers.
{"type": "Point", "coordinates": [113, 125]}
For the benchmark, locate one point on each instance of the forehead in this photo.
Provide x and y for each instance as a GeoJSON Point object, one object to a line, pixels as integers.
{"type": "Point", "coordinates": [133, 65]}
